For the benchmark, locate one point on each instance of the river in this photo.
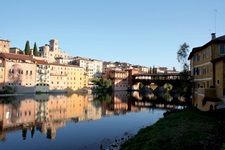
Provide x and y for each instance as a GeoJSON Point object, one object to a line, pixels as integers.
{"type": "Point", "coordinates": [72, 121]}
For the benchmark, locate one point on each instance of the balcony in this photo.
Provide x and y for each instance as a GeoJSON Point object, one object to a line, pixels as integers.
{"type": "Point", "coordinates": [43, 71]}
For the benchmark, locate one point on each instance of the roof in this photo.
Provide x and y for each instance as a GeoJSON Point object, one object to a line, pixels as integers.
{"type": "Point", "coordinates": [65, 65]}
{"type": "Point", "coordinates": [43, 62]}
{"type": "Point", "coordinates": [197, 49]}
{"type": "Point", "coordinates": [16, 56]}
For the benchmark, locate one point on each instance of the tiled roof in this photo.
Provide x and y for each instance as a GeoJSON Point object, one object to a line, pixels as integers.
{"type": "Point", "coordinates": [16, 56]}
{"type": "Point", "coordinates": [41, 62]}
{"type": "Point", "coordinates": [197, 49]}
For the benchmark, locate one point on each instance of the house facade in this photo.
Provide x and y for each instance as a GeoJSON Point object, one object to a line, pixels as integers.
{"type": "Point", "coordinates": [28, 75]}
{"type": "Point", "coordinates": [42, 76]}
{"type": "Point", "coordinates": [92, 67]}
{"type": "Point", "coordinates": [119, 79]}
{"type": "Point", "coordinates": [19, 71]}
{"type": "Point", "coordinates": [208, 68]}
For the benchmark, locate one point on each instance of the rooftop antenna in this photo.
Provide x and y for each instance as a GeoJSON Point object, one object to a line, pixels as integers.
{"type": "Point", "coordinates": [215, 11]}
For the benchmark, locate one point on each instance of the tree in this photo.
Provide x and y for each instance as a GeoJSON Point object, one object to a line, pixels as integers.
{"type": "Point", "coordinates": [182, 55]}
{"type": "Point", "coordinates": [105, 84]}
{"type": "Point", "coordinates": [185, 87]}
{"type": "Point", "coordinates": [27, 48]}
{"type": "Point", "coordinates": [35, 51]}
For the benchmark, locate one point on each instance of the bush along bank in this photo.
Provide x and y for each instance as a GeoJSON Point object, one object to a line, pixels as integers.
{"type": "Point", "coordinates": [189, 129]}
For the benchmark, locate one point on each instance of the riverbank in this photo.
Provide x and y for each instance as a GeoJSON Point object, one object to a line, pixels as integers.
{"type": "Point", "coordinates": [186, 129]}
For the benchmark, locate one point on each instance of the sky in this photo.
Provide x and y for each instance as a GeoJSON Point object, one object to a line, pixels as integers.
{"type": "Point", "coordinates": [140, 32]}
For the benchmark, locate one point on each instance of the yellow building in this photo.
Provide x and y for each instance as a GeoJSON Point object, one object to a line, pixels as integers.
{"type": "Point", "coordinates": [75, 78]}
{"type": "Point", "coordinates": [58, 78]}
{"type": "Point", "coordinates": [208, 68]}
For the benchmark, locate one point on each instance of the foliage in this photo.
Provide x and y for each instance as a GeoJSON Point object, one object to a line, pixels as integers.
{"type": "Point", "coordinates": [8, 90]}
{"type": "Point", "coordinates": [103, 83]}
{"type": "Point", "coordinates": [167, 97]}
{"type": "Point", "coordinates": [168, 86]}
{"type": "Point", "coordinates": [152, 70]}
{"type": "Point", "coordinates": [185, 85]}
{"type": "Point", "coordinates": [182, 55]}
{"type": "Point", "coordinates": [35, 50]}
{"type": "Point", "coordinates": [103, 98]}
{"type": "Point", "coordinates": [27, 48]}
{"type": "Point", "coordinates": [187, 129]}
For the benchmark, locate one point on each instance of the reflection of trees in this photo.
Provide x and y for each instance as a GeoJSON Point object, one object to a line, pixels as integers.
{"type": "Point", "coordinates": [168, 86]}
{"type": "Point", "coordinates": [24, 133]}
{"type": "Point", "coordinates": [168, 97]}
{"type": "Point", "coordinates": [103, 98]}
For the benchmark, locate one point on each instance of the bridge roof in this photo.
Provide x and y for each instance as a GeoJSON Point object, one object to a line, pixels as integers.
{"type": "Point", "coordinates": [158, 74]}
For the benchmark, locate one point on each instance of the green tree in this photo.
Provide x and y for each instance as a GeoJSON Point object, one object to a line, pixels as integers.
{"type": "Point", "coordinates": [182, 55]}
{"type": "Point", "coordinates": [27, 48]}
{"type": "Point", "coordinates": [105, 84]}
{"type": "Point", "coordinates": [35, 50]}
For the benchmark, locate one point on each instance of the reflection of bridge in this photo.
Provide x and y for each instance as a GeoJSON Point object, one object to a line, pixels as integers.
{"type": "Point", "coordinates": [159, 79]}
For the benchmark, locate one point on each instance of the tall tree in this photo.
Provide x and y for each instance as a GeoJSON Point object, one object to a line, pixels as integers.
{"type": "Point", "coordinates": [27, 48]}
{"type": "Point", "coordinates": [35, 51]}
{"type": "Point", "coordinates": [182, 55]}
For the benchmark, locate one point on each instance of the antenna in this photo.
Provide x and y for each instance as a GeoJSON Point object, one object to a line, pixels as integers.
{"type": "Point", "coordinates": [215, 11]}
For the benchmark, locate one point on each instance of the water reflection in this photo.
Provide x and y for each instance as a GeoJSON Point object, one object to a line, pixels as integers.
{"type": "Point", "coordinates": [162, 99]}
{"type": "Point", "coordinates": [46, 113]}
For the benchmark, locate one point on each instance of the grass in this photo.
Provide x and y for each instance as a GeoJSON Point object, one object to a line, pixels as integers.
{"type": "Point", "coordinates": [188, 129]}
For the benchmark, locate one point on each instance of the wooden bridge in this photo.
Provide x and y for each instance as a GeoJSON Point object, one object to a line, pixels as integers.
{"type": "Point", "coordinates": [160, 79]}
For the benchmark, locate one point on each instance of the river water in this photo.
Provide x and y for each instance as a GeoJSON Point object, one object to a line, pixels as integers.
{"type": "Point", "coordinates": [70, 122]}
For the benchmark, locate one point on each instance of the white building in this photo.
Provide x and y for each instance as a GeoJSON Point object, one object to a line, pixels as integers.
{"type": "Point", "coordinates": [52, 51]}
{"type": "Point", "coordinates": [91, 66]}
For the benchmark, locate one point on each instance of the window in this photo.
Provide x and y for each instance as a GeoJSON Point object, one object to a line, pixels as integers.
{"type": "Point", "coordinates": [218, 81]}
{"type": "Point", "coordinates": [26, 72]}
{"type": "Point", "coordinates": [30, 72]}
{"type": "Point", "coordinates": [222, 49]}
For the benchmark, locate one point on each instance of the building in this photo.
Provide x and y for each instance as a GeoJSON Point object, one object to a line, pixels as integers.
{"type": "Point", "coordinates": [93, 67]}
{"type": "Point", "coordinates": [2, 74]}
{"type": "Point", "coordinates": [15, 50]}
{"type": "Point", "coordinates": [58, 77]}
{"type": "Point", "coordinates": [4, 46]}
{"type": "Point", "coordinates": [75, 78]}
{"type": "Point", "coordinates": [51, 51]}
{"type": "Point", "coordinates": [42, 76]}
{"type": "Point", "coordinates": [141, 68]}
{"type": "Point", "coordinates": [108, 65]}
{"type": "Point", "coordinates": [119, 79]}
{"type": "Point", "coordinates": [19, 72]}
{"type": "Point", "coordinates": [208, 68]}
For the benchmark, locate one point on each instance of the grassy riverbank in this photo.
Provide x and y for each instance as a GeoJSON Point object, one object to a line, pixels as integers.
{"type": "Point", "coordinates": [187, 129]}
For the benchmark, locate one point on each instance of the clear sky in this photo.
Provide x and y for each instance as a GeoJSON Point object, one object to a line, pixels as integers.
{"type": "Point", "coordinates": [139, 32]}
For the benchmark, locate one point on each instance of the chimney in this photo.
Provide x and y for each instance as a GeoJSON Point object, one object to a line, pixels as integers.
{"type": "Point", "coordinates": [213, 35]}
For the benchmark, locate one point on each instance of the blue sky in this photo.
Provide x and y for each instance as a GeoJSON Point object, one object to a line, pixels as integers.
{"type": "Point", "coordinates": [139, 32]}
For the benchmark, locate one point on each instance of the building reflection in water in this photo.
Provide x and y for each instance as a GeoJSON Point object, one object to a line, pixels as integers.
{"type": "Point", "coordinates": [47, 113]}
